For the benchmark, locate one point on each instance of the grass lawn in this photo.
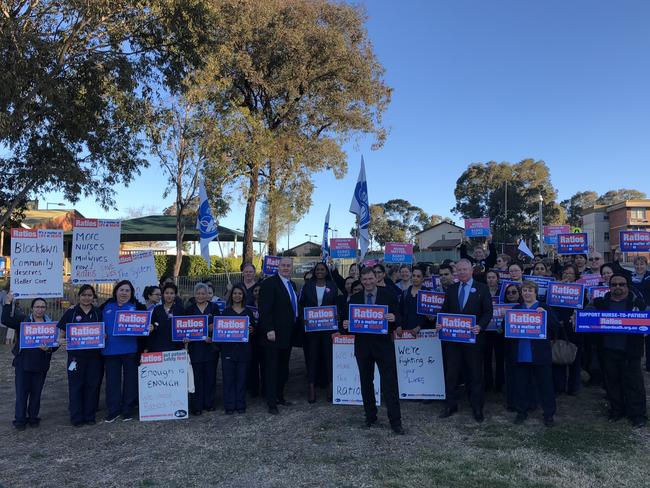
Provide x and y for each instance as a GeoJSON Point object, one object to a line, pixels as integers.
{"type": "Point", "coordinates": [321, 445]}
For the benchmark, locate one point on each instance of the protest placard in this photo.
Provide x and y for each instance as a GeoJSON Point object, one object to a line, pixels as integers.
{"type": "Point", "coordinates": [594, 292]}
{"type": "Point", "coordinates": [634, 240]}
{"type": "Point", "coordinates": [551, 232]}
{"type": "Point", "coordinates": [36, 263]}
{"type": "Point", "coordinates": [346, 385]}
{"type": "Point", "coordinates": [613, 322]}
{"type": "Point", "coordinates": [95, 250]}
{"type": "Point", "coordinates": [498, 315]}
{"type": "Point", "coordinates": [37, 334]}
{"type": "Point", "coordinates": [456, 327]}
{"type": "Point", "coordinates": [590, 279]}
{"type": "Point", "coordinates": [88, 335]}
{"type": "Point", "coordinates": [477, 227]}
{"type": "Point", "coordinates": [542, 283]}
{"type": "Point", "coordinates": [568, 295]}
{"type": "Point", "coordinates": [132, 323]}
{"type": "Point", "coordinates": [398, 253]}
{"type": "Point", "coordinates": [343, 248]}
{"type": "Point", "coordinates": [420, 373]}
{"type": "Point", "coordinates": [525, 324]}
{"type": "Point", "coordinates": [429, 302]}
{"type": "Point", "coordinates": [162, 385]}
{"type": "Point", "coordinates": [190, 327]}
{"type": "Point", "coordinates": [572, 243]}
{"type": "Point", "coordinates": [140, 269]}
{"type": "Point", "coordinates": [368, 319]}
{"type": "Point", "coordinates": [321, 319]}
{"type": "Point", "coordinates": [270, 265]}
{"type": "Point", "coordinates": [230, 329]}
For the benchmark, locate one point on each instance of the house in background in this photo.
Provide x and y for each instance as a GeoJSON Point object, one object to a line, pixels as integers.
{"type": "Point", "coordinates": [603, 224]}
{"type": "Point", "coordinates": [439, 242]}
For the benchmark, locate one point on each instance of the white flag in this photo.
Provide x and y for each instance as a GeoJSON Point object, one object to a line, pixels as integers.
{"type": "Point", "coordinates": [523, 248]}
{"type": "Point", "coordinates": [361, 209]}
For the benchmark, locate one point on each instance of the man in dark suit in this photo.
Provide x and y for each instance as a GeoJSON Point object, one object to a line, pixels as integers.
{"type": "Point", "coordinates": [377, 348]}
{"type": "Point", "coordinates": [278, 309]}
{"type": "Point", "coordinates": [467, 297]}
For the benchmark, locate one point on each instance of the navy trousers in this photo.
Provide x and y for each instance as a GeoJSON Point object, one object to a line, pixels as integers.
{"type": "Point", "coordinates": [234, 383]}
{"type": "Point", "coordinates": [83, 387]}
{"type": "Point", "coordinates": [121, 383]}
{"type": "Point", "coordinates": [29, 386]}
{"type": "Point", "coordinates": [541, 376]}
{"type": "Point", "coordinates": [205, 386]}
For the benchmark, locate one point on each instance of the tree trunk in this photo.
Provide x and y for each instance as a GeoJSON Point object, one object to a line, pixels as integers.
{"type": "Point", "coordinates": [15, 202]}
{"type": "Point", "coordinates": [249, 217]}
{"type": "Point", "coordinates": [180, 230]}
{"type": "Point", "coordinates": [272, 212]}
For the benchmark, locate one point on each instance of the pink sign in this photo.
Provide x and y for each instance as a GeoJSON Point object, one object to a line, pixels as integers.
{"type": "Point", "coordinates": [477, 227]}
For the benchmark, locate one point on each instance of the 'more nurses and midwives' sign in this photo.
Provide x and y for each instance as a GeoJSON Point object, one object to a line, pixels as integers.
{"type": "Point", "coordinates": [95, 251]}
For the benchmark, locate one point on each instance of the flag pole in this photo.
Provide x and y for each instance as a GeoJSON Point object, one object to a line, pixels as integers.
{"type": "Point", "coordinates": [223, 259]}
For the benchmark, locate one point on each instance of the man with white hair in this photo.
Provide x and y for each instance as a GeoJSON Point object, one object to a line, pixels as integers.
{"type": "Point", "coordinates": [467, 297]}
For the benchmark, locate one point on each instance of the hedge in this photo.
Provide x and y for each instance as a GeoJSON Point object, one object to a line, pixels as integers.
{"type": "Point", "coordinates": [195, 266]}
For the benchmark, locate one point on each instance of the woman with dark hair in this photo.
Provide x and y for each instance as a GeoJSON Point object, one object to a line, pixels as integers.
{"type": "Point", "coordinates": [316, 293]}
{"type": "Point", "coordinates": [160, 338]}
{"type": "Point", "coordinates": [85, 366]}
{"type": "Point", "coordinates": [120, 355]}
{"type": "Point", "coordinates": [512, 294]}
{"type": "Point", "coordinates": [204, 355]}
{"type": "Point", "coordinates": [152, 296]}
{"type": "Point", "coordinates": [408, 306]}
{"type": "Point", "coordinates": [30, 365]}
{"type": "Point", "coordinates": [236, 356]}
{"type": "Point", "coordinates": [567, 378]}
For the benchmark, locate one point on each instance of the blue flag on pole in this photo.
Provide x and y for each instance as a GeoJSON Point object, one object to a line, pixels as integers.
{"type": "Point", "coordinates": [361, 209]}
{"type": "Point", "coordinates": [205, 223]}
{"type": "Point", "coordinates": [325, 246]}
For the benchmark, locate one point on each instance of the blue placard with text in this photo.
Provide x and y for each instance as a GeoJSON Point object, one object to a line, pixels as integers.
{"type": "Point", "coordinates": [567, 295]}
{"type": "Point", "coordinates": [525, 324]}
{"type": "Point", "coordinates": [37, 334]}
{"type": "Point", "coordinates": [368, 319]}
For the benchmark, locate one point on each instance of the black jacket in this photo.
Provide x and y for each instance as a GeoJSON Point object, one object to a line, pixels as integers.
{"type": "Point", "coordinates": [364, 343]}
{"type": "Point", "coordinates": [634, 344]}
{"type": "Point", "coordinates": [541, 348]}
{"type": "Point", "coordinates": [201, 351]}
{"type": "Point", "coordinates": [32, 360]}
{"type": "Point", "coordinates": [160, 338]}
{"type": "Point", "coordinates": [76, 315]}
{"type": "Point", "coordinates": [479, 303]}
{"type": "Point", "coordinates": [276, 313]}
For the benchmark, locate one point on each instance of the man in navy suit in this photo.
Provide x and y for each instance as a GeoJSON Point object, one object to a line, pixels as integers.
{"type": "Point", "coordinates": [467, 297]}
{"type": "Point", "coordinates": [278, 308]}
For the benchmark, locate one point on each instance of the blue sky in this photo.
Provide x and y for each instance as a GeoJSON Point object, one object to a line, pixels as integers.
{"type": "Point", "coordinates": [478, 80]}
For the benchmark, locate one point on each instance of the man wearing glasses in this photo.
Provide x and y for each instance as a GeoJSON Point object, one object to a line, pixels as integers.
{"type": "Point", "coordinates": [622, 356]}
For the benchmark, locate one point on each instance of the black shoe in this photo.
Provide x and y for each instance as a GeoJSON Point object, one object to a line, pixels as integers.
{"type": "Point", "coordinates": [614, 417]}
{"type": "Point", "coordinates": [447, 412]}
{"type": "Point", "coordinates": [127, 418]}
{"type": "Point", "coordinates": [110, 419]}
{"type": "Point", "coordinates": [229, 412]}
{"type": "Point", "coordinates": [511, 409]}
{"type": "Point", "coordinates": [90, 422]}
{"type": "Point", "coordinates": [274, 410]}
{"type": "Point", "coordinates": [479, 417]}
{"type": "Point", "coordinates": [197, 412]}
{"type": "Point", "coordinates": [638, 422]}
{"type": "Point", "coordinates": [34, 424]}
{"type": "Point", "coordinates": [211, 409]}
{"type": "Point", "coordinates": [370, 422]}
{"type": "Point", "coordinates": [241, 410]}
{"type": "Point", "coordinates": [520, 418]}
{"type": "Point", "coordinates": [78, 424]}
{"type": "Point", "coordinates": [20, 427]}
{"type": "Point", "coordinates": [549, 422]}
{"type": "Point", "coordinates": [284, 403]}
{"type": "Point", "coordinates": [398, 429]}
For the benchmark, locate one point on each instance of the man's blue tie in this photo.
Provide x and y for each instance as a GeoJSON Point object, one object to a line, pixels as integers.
{"type": "Point", "coordinates": [461, 295]}
{"type": "Point", "coordinates": [292, 294]}
{"type": "Point", "coordinates": [369, 299]}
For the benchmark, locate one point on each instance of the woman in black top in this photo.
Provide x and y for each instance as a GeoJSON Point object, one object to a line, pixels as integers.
{"type": "Point", "coordinates": [316, 293]}
{"type": "Point", "coordinates": [85, 366]}
{"type": "Point", "coordinates": [31, 365]}
{"type": "Point", "coordinates": [204, 355]}
{"type": "Point", "coordinates": [160, 338]}
{"type": "Point", "coordinates": [408, 305]}
{"type": "Point", "coordinates": [236, 356]}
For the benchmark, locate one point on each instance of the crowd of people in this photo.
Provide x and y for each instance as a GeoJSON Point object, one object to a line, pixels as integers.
{"type": "Point", "coordinates": [530, 374]}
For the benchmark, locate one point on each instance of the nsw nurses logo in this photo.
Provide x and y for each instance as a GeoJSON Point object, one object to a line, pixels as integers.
{"type": "Point", "coordinates": [207, 227]}
{"type": "Point", "coordinates": [361, 194]}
